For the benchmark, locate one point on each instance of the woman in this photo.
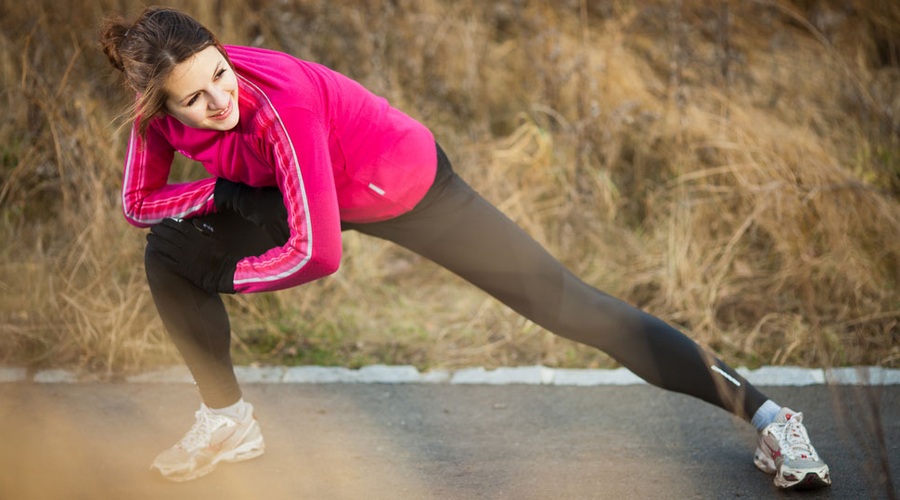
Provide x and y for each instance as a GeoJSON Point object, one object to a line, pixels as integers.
{"type": "Point", "coordinates": [297, 153]}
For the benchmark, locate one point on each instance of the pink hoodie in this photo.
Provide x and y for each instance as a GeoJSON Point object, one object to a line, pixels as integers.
{"type": "Point", "coordinates": [335, 150]}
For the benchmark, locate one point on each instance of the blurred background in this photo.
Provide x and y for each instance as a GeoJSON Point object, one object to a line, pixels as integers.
{"type": "Point", "coordinates": [731, 166]}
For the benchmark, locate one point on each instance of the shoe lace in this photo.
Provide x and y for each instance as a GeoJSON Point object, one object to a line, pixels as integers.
{"type": "Point", "coordinates": [794, 440]}
{"type": "Point", "coordinates": [200, 434]}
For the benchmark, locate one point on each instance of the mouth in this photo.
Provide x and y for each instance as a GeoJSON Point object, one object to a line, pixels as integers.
{"type": "Point", "coordinates": [225, 113]}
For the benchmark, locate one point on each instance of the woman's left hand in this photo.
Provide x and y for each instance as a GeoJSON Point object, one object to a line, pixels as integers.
{"type": "Point", "coordinates": [191, 250]}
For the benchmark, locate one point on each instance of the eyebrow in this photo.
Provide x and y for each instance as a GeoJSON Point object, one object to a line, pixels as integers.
{"type": "Point", "coordinates": [215, 72]}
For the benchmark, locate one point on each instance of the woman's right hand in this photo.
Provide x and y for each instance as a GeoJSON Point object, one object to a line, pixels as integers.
{"type": "Point", "coordinates": [262, 206]}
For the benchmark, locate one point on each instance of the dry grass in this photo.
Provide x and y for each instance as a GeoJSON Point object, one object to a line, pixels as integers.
{"type": "Point", "coordinates": [731, 166]}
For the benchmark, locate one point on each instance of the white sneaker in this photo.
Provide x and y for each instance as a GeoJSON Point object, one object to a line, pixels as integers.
{"type": "Point", "coordinates": [213, 438]}
{"type": "Point", "coordinates": [784, 450]}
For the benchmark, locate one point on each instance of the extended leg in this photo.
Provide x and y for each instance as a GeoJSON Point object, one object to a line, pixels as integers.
{"type": "Point", "coordinates": [456, 228]}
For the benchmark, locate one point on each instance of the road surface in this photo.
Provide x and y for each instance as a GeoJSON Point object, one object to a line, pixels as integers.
{"type": "Point", "coordinates": [95, 440]}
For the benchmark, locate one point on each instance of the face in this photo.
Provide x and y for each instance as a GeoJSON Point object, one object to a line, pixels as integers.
{"type": "Point", "coordinates": [203, 92]}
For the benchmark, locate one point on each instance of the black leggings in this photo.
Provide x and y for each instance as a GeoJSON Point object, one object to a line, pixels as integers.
{"type": "Point", "coordinates": [459, 230]}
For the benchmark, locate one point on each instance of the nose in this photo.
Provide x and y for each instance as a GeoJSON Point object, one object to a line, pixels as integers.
{"type": "Point", "coordinates": [218, 98]}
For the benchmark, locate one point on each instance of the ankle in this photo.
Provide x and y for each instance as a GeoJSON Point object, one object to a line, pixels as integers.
{"type": "Point", "coordinates": [236, 411]}
{"type": "Point", "coordinates": [765, 415]}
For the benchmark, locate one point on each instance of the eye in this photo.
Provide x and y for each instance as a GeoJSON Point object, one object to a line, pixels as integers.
{"type": "Point", "coordinates": [220, 73]}
{"type": "Point", "coordinates": [193, 100]}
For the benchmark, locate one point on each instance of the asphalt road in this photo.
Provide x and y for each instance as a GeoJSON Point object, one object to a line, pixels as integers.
{"type": "Point", "coordinates": [436, 441]}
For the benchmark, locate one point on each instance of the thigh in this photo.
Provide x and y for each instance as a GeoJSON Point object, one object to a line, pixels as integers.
{"type": "Point", "coordinates": [458, 229]}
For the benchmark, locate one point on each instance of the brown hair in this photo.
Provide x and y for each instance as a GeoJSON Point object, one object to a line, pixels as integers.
{"type": "Point", "coordinates": [147, 50]}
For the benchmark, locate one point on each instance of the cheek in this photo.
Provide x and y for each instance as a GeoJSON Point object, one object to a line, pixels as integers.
{"type": "Point", "coordinates": [197, 116]}
{"type": "Point", "coordinates": [231, 85]}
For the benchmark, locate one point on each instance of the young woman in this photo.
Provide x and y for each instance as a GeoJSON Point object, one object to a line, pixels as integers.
{"type": "Point", "coordinates": [297, 153]}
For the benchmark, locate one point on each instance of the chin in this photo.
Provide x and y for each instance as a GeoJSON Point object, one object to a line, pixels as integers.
{"type": "Point", "coordinates": [228, 124]}
{"type": "Point", "coordinates": [231, 122]}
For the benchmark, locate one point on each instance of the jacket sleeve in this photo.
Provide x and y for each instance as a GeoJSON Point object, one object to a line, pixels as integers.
{"type": "Point", "coordinates": [299, 142]}
{"type": "Point", "coordinates": [147, 196]}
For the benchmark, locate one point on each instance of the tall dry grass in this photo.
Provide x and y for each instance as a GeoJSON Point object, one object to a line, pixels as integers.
{"type": "Point", "coordinates": [731, 166]}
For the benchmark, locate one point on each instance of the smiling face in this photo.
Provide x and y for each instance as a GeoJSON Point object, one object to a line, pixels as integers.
{"type": "Point", "coordinates": [203, 91]}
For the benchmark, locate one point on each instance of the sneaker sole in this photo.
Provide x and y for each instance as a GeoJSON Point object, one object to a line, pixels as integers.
{"type": "Point", "coordinates": [809, 479]}
{"type": "Point", "coordinates": [245, 451]}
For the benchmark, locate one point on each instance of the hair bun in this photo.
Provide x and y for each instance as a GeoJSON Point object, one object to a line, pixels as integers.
{"type": "Point", "coordinates": [112, 34]}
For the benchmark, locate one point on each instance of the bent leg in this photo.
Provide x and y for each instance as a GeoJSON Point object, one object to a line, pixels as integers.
{"type": "Point", "coordinates": [196, 320]}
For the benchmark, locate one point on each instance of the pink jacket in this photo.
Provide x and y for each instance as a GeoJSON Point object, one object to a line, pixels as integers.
{"type": "Point", "coordinates": [335, 150]}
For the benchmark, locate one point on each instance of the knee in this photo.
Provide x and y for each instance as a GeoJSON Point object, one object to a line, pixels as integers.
{"type": "Point", "coordinates": [158, 272]}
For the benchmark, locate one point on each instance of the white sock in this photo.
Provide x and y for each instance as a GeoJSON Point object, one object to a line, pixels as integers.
{"type": "Point", "coordinates": [765, 415]}
{"type": "Point", "coordinates": [238, 411]}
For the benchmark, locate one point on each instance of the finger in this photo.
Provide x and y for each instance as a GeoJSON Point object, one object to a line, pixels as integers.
{"type": "Point", "coordinates": [169, 233]}
{"type": "Point", "coordinates": [164, 248]}
{"type": "Point", "coordinates": [166, 260]}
